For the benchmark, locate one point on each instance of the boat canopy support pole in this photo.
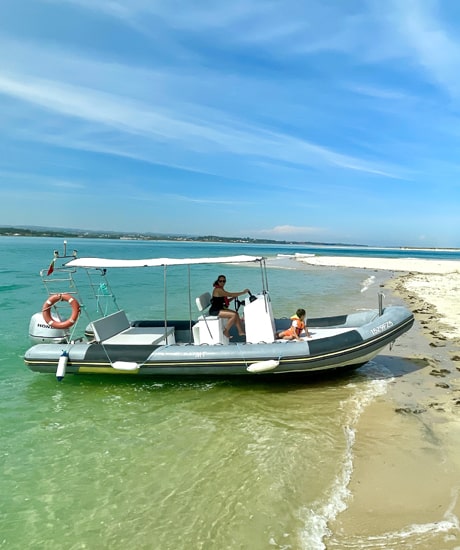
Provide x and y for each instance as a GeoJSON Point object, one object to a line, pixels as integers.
{"type": "Point", "coordinates": [381, 297]}
{"type": "Point", "coordinates": [189, 304]}
{"type": "Point", "coordinates": [165, 293]}
{"type": "Point", "coordinates": [263, 269]}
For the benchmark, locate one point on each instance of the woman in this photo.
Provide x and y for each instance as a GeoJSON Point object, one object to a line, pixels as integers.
{"type": "Point", "coordinates": [219, 305]}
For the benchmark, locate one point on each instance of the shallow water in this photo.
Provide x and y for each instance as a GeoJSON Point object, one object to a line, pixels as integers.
{"type": "Point", "coordinates": [100, 462]}
{"type": "Point", "coordinates": [200, 464]}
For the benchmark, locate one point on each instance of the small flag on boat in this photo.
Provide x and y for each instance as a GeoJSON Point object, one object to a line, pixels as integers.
{"type": "Point", "coordinates": [51, 267]}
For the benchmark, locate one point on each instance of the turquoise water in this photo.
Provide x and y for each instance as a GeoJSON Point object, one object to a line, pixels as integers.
{"type": "Point", "coordinates": [101, 462]}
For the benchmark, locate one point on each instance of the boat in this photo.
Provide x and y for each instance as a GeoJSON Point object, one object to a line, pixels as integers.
{"type": "Point", "coordinates": [70, 342]}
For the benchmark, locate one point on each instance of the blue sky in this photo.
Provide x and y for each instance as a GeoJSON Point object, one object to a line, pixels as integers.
{"type": "Point", "coordinates": [326, 121]}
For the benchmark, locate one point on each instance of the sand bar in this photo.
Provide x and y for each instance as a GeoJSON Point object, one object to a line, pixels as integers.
{"type": "Point", "coordinates": [405, 488]}
{"type": "Point", "coordinates": [436, 282]}
{"type": "Point", "coordinates": [388, 264]}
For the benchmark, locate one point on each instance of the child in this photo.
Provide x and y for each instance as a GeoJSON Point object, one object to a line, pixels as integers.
{"type": "Point", "coordinates": [297, 326]}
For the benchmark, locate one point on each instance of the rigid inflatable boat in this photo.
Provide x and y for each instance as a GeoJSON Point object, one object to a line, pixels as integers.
{"type": "Point", "coordinates": [195, 345]}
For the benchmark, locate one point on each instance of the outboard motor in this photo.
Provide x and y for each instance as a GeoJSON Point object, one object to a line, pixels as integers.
{"type": "Point", "coordinates": [40, 332]}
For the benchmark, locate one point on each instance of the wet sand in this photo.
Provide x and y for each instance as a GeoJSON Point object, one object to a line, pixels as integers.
{"type": "Point", "coordinates": [404, 490]}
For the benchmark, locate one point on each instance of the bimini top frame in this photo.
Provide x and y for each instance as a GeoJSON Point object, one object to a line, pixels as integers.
{"type": "Point", "coordinates": [107, 263]}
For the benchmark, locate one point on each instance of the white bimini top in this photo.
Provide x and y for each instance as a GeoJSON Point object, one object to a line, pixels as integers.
{"type": "Point", "coordinates": [102, 263]}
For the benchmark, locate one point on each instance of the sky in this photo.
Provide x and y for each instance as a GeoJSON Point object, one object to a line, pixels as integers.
{"type": "Point", "coordinates": [314, 120]}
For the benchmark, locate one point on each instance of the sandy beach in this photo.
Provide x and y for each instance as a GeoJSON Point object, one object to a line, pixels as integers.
{"type": "Point", "coordinates": [404, 490]}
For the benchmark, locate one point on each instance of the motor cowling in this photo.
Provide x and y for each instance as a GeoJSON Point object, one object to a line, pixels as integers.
{"type": "Point", "coordinates": [40, 332]}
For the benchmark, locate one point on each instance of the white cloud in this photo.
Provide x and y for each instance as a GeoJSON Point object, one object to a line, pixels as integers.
{"type": "Point", "coordinates": [208, 130]}
{"type": "Point", "coordinates": [288, 231]}
{"type": "Point", "coordinates": [199, 200]}
{"type": "Point", "coordinates": [429, 42]}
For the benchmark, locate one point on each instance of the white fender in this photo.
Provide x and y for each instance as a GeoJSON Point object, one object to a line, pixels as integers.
{"type": "Point", "coordinates": [62, 364]}
{"type": "Point", "coordinates": [125, 365]}
{"type": "Point", "coordinates": [263, 366]}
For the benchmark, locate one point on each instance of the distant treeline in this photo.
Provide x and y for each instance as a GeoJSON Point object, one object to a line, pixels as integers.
{"type": "Point", "coordinates": [83, 234]}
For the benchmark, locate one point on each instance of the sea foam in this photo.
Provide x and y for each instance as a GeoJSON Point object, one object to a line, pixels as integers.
{"type": "Point", "coordinates": [367, 283]}
{"type": "Point", "coordinates": [316, 524]}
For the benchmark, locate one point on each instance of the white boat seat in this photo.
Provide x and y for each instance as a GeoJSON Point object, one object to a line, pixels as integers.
{"type": "Point", "coordinates": [202, 303]}
{"type": "Point", "coordinates": [116, 329]}
{"type": "Point", "coordinates": [106, 327]}
{"type": "Point", "coordinates": [210, 328]}
{"type": "Point", "coordinates": [150, 336]}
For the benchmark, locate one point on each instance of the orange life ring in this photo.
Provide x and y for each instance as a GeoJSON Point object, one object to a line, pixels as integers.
{"type": "Point", "coordinates": [46, 310]}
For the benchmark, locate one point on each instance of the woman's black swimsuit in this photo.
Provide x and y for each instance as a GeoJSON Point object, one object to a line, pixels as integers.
{"type": "Point", "coordinates": [217, 303]}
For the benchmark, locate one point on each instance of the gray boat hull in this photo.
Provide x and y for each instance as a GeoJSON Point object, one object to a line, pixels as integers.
{"type": "Point", "coordinates": [337, 342]}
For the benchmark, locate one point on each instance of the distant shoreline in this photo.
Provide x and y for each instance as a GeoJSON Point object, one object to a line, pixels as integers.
{"type": "Point", "coordinates": [134, 236]}
{"type": "Point", "coordinates": [10, 231]}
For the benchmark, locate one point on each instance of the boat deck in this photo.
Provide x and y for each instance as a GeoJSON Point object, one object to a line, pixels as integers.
{"type": "Point", "coordinates": [317, 333]}
{"type": "Point", "coordinates": [156, 336]}
{"type": "Point", "coordinates": [138, 336]}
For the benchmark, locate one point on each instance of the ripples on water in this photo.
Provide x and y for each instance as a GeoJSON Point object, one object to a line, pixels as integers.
{"type": "Point", "coordinates": [165, 465]}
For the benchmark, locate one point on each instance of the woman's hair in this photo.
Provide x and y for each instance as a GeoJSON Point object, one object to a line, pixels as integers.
{"type": "Point", "coordinates": [300, 312]}
{"type": "Point", "coordinates": [216, 282]}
